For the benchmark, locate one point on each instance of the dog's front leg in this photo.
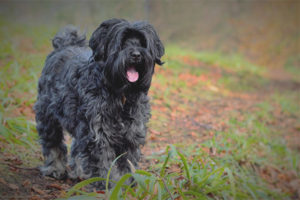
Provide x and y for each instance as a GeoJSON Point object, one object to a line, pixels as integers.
{"type": "Point", "coordinates": [92, 159]}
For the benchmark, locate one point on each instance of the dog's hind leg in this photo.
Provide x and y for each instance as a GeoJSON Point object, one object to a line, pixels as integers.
{"type": "Point", "coordinates": [54, 149]}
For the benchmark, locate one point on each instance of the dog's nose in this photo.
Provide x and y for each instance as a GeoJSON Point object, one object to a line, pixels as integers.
{"type": "Point", "coordinates": [136, 54]}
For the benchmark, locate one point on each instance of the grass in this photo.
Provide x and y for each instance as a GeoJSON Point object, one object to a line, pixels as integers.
{"type": "Point", "coordinates": [231, 172]}
{"type": "Point", "coordinates": [21, 64]}
{"type": "Point", "coordinates": [236, 70]}
{"type": "Point", "coordinates": [292, 66]}
{"type": "Point", "coordinates": [288, 102]}
{"type": "Point", "coordinates": [230, 165]}
{"type": "Point", "coordinates": [231, 62]}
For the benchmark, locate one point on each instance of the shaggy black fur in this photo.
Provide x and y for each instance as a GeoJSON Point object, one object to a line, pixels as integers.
{"type": "Point", "coordinates": [91, 93]}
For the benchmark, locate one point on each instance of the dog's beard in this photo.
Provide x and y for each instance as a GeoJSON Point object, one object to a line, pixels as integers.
{"type": "Point", "coordinates": [122, 73]}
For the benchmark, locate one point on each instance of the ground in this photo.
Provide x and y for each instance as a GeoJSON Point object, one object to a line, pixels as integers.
{"type": "Point", "coordinates": [218, 106]}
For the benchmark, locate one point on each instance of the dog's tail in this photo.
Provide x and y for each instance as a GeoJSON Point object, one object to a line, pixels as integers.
{"type": "Point", "coordinates": [68, 36]}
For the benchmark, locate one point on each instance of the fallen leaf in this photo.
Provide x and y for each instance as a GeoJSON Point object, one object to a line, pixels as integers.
{"type": "Point", "coordinates": [56, 186]}
{"type": "Point", "coordinates": [193, 134]}
{"type": "Point", "coordinates": [26, 183]}
{"type": "Point", "coordinates": [35, 198]}
{"type": "Point", "coordinates": [3, 181]}
{"type": "Point", "coordinates": [13, 186]}
{"type": "Point", "coordinates": [37, 190]}
{"type": "Point", "coordinates": [152, 137]}
{"type": "Point", "coordinates": [152, 131]}
{"type": "Point", "coordinates": [213, 88]}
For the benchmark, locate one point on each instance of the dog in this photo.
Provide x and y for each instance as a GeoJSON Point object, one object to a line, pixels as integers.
{"type": "Point", "coordinates": [99, 94]}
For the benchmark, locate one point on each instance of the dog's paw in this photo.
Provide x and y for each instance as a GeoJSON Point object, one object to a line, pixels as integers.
{"type": "Point", "coordinates": [54, 171]}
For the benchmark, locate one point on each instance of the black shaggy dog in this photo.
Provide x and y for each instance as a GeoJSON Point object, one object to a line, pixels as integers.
{"type": "Point", "coordinates": [99, 95]}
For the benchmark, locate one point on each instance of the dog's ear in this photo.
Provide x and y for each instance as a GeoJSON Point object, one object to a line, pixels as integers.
{"type": "Point", "coordinates": [154, 44]}
{"type": "Point", "coordinates": [99, 38]}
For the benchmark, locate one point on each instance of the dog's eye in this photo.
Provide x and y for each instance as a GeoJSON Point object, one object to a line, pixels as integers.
{"type": "Point", "coordinates": [132, 42]}
{"type": "Point", "coordinates": [126, 44]}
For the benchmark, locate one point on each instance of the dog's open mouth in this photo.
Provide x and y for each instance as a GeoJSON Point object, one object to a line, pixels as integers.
{"type": "Point", "coordinates": [132, 74]}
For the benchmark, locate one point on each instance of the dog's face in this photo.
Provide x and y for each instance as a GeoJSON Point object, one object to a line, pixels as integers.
{"type": "Point", "coordinates": [129, 52]}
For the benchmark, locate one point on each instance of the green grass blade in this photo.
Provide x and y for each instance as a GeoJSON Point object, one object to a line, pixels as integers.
{"type": "Point", "coordinates": [181, 193]}
{"type": "Point", "coordinates": [109, 171]}
{"type": "Point", "coordinates": [162, 171]}
{"type": "Point", "coordinates": [185, 165]}
{"type": "Point", "coordinates": [143, 172]}
{"type": "Point", "coordinates": [203, 181]}
{"type": "Point", "coordinates": [141, 180]}
{"type": "Point", "coordinates": [115, 192]}
{"type": "Point", "coordinates": [130, 190]}
{"type": "Point", "coordinates": [82, 184]}
{"type": "Point", "coordinates": [232, 182]}
{"type": "Point", "coordinates": [159, 192]}
{"type": "Point", "coordinates": [196, 194]}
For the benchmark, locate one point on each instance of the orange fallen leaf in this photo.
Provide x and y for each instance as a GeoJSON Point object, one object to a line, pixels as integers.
{"type": "Point", "coordinates": [193, 134]}
{"type": "Point", "coordinates": [37, 190]}
{"type": "Point", "coordinates": [26, 183]}
{"type": "Point", "coordinates": [152, 137]}
{"type": "Point", "coordinates": [56, 186]}
{"type": "Point", "coordinates": [152, 131]}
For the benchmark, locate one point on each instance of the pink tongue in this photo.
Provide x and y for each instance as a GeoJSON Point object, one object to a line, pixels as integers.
{"type": "Point", "coordinates": [132, 74]}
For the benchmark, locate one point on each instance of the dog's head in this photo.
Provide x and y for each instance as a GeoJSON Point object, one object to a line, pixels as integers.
{"type": "Point", "coordinates": [129, 52]}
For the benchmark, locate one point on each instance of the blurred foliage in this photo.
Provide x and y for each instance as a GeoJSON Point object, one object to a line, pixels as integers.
{"type": "Point", "coordinates": [266, 32]}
